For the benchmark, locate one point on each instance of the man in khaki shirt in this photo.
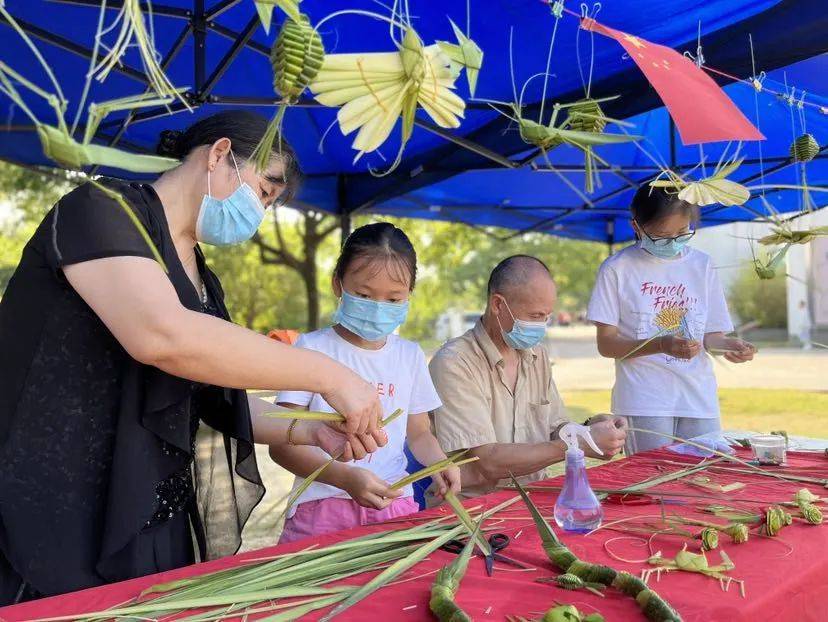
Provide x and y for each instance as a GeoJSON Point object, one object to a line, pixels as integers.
{"type": "Point", "coordinates": [495, 382]}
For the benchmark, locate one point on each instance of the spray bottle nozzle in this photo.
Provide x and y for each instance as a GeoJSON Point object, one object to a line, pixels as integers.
{"type": "Point", "coordinates": [570, 433]}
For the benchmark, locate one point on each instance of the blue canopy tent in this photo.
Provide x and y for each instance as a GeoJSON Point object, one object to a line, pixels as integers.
{"type": "Point", "coordinates": [482, 174]}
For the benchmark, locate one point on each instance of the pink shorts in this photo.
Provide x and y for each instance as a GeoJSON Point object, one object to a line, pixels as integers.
{"type": "Point", "coordinates": [314, 518]}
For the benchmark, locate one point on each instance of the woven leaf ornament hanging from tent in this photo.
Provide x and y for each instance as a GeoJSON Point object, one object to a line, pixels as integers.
{"type": "Point", "coordinates": [296, 58]}
{"type": "Point", "coordinates": [265, 10]}
{"type": "Point", "coordinates": [133, 31]}
{"type": "Point", "coordinates": [715, 189]}
{"type": "Point", "coordinates": [375, 89]}
{"type": "Point", "coordinates": [703, 113]}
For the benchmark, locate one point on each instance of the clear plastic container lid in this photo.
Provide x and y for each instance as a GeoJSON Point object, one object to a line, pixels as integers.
{"type": "Point", "coordinates": [768, 440]}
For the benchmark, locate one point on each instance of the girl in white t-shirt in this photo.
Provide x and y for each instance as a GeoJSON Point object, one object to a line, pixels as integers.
{"type": "Point", "coordinates": [667, 385]}
{"type": "Point", "coordinates": [373, 279]}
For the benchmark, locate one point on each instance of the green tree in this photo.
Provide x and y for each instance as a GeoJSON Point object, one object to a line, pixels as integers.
{"type": "Point", "coordinates": [761, 300]}
{"type": "Point", "coordinates": [25, 197]}
{"type": "Point", "coordinates": [300, 246]}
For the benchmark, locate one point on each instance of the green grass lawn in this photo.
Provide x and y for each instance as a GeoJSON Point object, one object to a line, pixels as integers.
{"type": "Point", "coordinates": [799, 413]}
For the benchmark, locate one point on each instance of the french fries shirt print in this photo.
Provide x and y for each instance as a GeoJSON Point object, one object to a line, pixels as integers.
{"type": "Point", "coordinates": [645, 296]}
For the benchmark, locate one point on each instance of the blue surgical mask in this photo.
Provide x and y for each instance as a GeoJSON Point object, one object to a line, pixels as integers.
{"type": "Point", "coordinates": [232, 220]}
{"type": "Point", "coordinates": [370, 319]}
{"type": "Point", "coordinates": [524, 334]}
{"type": "Point", "coordinates": [668, 251]}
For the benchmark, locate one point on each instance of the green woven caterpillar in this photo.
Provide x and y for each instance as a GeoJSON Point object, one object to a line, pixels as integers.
{"type": "Point", "coordinates": [655, 608]}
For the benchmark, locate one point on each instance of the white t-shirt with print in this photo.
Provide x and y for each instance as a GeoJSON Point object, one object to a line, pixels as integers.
{"type": "Point", "coordinates": [399, 372]}
{"type": "Point", "coordinates": [631, 288]}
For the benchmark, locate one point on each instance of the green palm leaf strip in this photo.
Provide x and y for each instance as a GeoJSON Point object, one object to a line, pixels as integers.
{"type": "Point", "coordinates": [467, 521]}
{"type": "Point", "coordinates": [430, 470]}
{"type": "Point", "coordinates": [397, 568]}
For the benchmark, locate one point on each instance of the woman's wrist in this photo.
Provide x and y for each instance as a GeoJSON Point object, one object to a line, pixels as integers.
{"type": "Point", "coordinates": [303, 432]}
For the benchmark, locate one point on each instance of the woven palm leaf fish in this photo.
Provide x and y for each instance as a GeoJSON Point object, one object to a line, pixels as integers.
{"type": "Point", "coordinates": [265, 10]}
{"type": "Point", "coordinates": [375, 89]}
{"type": "Point", "coordinates": [465, 53]}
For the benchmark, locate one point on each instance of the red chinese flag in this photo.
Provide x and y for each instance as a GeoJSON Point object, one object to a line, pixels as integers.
{"type": "Point", "coordinates": [701, 110]}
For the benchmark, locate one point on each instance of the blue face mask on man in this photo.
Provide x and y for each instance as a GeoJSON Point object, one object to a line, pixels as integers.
{"type": "Point", "coordinates": [524, 334]}
{"type": "Point", "coordinates": [370, 319]}
{"type": "Point", "coordinates": [232, 220]}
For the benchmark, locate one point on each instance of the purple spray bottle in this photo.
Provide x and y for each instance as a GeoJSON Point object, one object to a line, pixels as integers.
{"type": "Point", "coordinates": [577, 508]}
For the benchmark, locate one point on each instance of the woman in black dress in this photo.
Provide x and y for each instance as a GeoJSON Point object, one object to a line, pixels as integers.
{"type": "Point", "coordinates": [110, 361]}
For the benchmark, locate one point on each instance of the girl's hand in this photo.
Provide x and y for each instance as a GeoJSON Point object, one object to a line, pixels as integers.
{"type": "Point", "coordinates": [357, 401]}
{"type": "Point", "coordinates": [679, 347]}
{"type": "Point", "coordinates": [739, 351]}
{"type": "Point", "coordinates": [448, 481]}
{"type": "Point", "coordinates": [368, 490]}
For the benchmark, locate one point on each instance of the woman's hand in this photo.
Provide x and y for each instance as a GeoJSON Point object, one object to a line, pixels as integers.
{"type": "Point", "coordinates": [447, 481]}
{"type": "Point", "coordinates": [357, 401]}
{"type": "Point", "coordinates": [679, 347]}
{"type": "Point", "coordinates": [368, 490]}
{"type": "Point", "coordinates": [334, 442]}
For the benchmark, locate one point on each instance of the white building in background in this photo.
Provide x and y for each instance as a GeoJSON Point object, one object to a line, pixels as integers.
{"type": "Point", "coordinates": [808, 263]}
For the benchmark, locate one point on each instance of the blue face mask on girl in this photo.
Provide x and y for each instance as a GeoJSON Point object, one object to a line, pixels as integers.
{"type": "Point", "coordinates": [524, 334]}
{"type": "Point", "coordinates": [232, 220]}
{"type": "Point", "coordinates": [369, 319]}
{"type": "Point", "coordinates": [666, 251]}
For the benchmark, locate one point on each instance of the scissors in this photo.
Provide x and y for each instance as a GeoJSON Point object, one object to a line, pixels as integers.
{"type": "Point", "coordinates": [497, 542]}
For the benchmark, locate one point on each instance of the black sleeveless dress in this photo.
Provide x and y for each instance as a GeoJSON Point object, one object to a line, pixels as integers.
{"type": "Point", "coordinates": [104, 466]}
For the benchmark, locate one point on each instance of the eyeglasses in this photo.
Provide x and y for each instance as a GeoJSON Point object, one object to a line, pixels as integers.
{"type": "Point", "coordinates": [681, 239]}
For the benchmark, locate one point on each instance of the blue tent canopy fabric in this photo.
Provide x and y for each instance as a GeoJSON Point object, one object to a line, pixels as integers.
{"type": "Point", "coordinates": [481, 174]}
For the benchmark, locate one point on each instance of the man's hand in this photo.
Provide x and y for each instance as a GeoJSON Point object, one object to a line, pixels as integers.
{"type": "Point", "coordinates": [447, 481]}
{"type": "Point", "coordinates": [609, 433]}
{"type": "Point", "coordinates": [368, 490]}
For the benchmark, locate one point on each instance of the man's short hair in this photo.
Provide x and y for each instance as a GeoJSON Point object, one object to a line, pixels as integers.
{"type": "Point", "coordinates": [514, 271]}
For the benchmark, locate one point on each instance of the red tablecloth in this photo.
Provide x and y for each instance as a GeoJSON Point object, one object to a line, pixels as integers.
{"type": "Point", "coordinates": [781, 584]}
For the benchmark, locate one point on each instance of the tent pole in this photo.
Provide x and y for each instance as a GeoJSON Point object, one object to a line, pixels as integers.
{"type": "Point", "coordinates": [672, 144]}
{"type": "Point", "coordinates": [199, 23]}
{"type": "Point", "coordinates": [342, 208]}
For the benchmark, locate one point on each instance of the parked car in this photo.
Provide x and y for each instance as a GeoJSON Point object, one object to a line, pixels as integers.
{"type": "Point", "coordinates": [564, 318]}
{"type": "Point", "coordinates": [454, 323]}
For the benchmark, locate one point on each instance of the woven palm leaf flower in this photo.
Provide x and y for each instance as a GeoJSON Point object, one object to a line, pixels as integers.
{"type": "Point", "coordinates": [805, 148]}
{"type": "Point", "coordinates": [709, 538]}
{"type": "Point", "coordinates": [375, 89]}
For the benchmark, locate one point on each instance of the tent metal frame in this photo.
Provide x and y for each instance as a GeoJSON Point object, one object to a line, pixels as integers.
{"type": "Point", "coordinates": [201, 20]}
